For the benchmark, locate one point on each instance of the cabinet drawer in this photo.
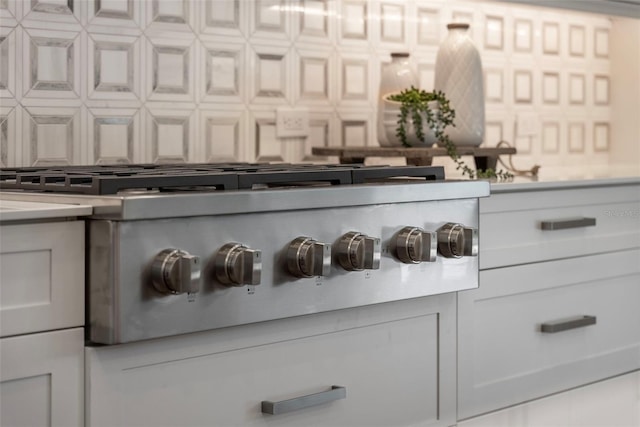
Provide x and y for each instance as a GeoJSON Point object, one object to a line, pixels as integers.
{"type": "Point", "coordinates": [517, 228]}
{"type": "Point", "coordinates": [41, 379]}
{"type": "Point", "coordinates": [41, 277]}
{"type": "Point", "coordinates": [394, 373]}
{"type": "Point", "coordinates": [504, 356]}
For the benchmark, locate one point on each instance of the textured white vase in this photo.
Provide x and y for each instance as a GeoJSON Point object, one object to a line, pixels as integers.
{"type": "Point", "coordinates": [396, 77]}
{"type": "Point", "coordinates": [459, 75]}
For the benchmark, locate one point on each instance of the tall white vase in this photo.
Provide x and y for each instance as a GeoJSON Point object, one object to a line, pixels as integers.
{"type": "Point", "coordinates": [459, 75]}
{"type": "Point", "coordinates": [396, 76]}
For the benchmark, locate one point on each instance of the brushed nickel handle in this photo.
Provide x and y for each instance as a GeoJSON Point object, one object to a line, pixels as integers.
{"type": "Point", "coordinates": [562, 224]}
{"type": "Point", "coordinates": [565, 325]}
{"type": "Point", "coordinates": [282, 407]}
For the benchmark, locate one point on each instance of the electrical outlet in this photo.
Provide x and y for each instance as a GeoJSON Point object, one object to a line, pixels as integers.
{"type": "Point", "coordinates": [527, 124]}
{"type": "Point", "coordinates": [292, 122]}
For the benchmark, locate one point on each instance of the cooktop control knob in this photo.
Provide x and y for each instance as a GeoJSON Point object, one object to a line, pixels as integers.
{"type": "Point", "coordinates": [238, 265]}
{"type": "Point", "coordinates": [357, 251]}
{"type": "Point", "coordinates": [308, 258]}
{"type": "Point", "coordinates": [175, 271]}
{"type": "Point", "coordinates": [414, 245]}
{"type": "Point", "coordinates": [456, 240]}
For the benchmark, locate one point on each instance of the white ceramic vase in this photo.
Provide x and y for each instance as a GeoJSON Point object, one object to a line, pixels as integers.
{"type": "Point", "coordinates": [459, 75]}
{"type": "Point", "coordinates": [398, 75]}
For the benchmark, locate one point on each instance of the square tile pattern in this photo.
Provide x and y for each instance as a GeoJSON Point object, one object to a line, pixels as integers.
{"type": "Point", "coordinates": [120, 81]}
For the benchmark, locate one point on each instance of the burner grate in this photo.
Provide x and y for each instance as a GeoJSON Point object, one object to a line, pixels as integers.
{"type": "Point", "coordinates": [112, 179]}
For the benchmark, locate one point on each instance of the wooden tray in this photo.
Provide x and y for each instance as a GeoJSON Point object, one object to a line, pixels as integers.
{"type": "Point", "coordinates": [484, 157]}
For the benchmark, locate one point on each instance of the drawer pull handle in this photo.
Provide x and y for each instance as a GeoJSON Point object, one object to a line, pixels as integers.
{"type": "Point", "coordinates": [564, 325]}
{"type": "Point", "coordinates": [275, 408]}
{"type": "Point", "coordinates": [562, 224]}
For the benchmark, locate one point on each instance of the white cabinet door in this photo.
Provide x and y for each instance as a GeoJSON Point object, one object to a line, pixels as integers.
{"type": "Point", "coordinates": [612, 403]}
{"type": "Point", "coordinates": [396, 361]}
{"type": "Point", "coordinates": [41, 277]}
{"type": "Point", "coordinates": [41, 379]}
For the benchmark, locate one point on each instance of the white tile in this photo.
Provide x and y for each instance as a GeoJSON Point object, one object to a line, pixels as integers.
{"type": "Point", "coordinates": [392, 23]}
{"type": "Point", "coordinates": [601, 90]}
{"type": "Point", "coordinates": [550, 137]}
{"type": "Point", "coordinates": [269, 19]}
{"type": "Point", "coordinates": [51, 61]}
{"type": "Point", "coordinates": [355, 79]}
{"type": "Point", "coordinates": [113, 136]}
{"type": "Point", "coordinates": [270, 74]}
{"type": "Point", "coordinates": [170, 15]}
{"type": "Point", "coordinates": [314, 75]}
{"type": "Point", "coordinates": [52, 136]}
{"type": "Point", "coordinates": [494, 83]}
{"type": "Point", "coordinates": [8, 136]}
{"type": "Point", "coordinates": [114, 66]}
{"type": "Point", "coordinates": [314, 18]}
{"type": "Point", "coordinates": [601, 43]}
{"type": "Point", "coordinates": [222, 71]}
{"type": "Point", "coordinates": [318, 137]}
{"type": "Point", "coordinates": [354, 129]}
{"type": "Point", "coordinates": [576, 137]}
{"type": "Point", "coordinates": [226, 17]}
{"type": "Point", "coordinates": [522, 86]}
{"type": "Point", "coordinates": [39, 13]}
{"type": "Point", "coordinates": [493, 134]}
{"type": "Point", "coordinates": [170, 135]}
{"type": "Point", "coordinates": [494, 32]}
{"type": "Point", "coordinates": [601, 136]}
{"type": "Point", "coordinates": [426, 76]}
{"type": "Point", "coordinates": [551, 88]}
{"type": "Point", "coordinates": [267, 146]}
{"type": "Point", "coordinates": [354, 20]}
{"type": "Point", "coordinates": [9, 13]}
{"type": "Point", "coordinates": [576, 40]}
{"type": "Point", "coordinates": [523, 35]}
{"type": "Point", "coordinates": [170, 68]}
{"type": "Point", "coordinates": [428, 26]}
{"type": "Point", "coordinates": [551, 38]}
{"type": "Point", "coordinates": [8, 59]}
{"type": "Point", "coordinates": [576, 88]}
{"type": "Point", "coordinates": [222, 134]}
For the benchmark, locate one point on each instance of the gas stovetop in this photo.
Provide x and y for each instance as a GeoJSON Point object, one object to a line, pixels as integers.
{"type": "Point", "coordinates": [117, 179]}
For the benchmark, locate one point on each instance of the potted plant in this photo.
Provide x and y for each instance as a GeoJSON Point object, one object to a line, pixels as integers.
{"type": "Point", "coordinates": [421, 120]}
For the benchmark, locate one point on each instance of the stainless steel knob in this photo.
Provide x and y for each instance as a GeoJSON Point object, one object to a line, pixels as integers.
{"type": "Point", "coordinates": [456, 240]}
{"type": "Point", "coordinates": [237, 265]}
{"type": "Point", "coordinates": [175, 271]}
{"type": "Point", "coordinates": [308, 258]}
{"type": "Point", "coordinates": [414, 245]}
{"type": "Point", "coordinates": [359, 252]}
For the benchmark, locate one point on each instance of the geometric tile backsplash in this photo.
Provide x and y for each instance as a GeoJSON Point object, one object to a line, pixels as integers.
{"type": "Point", "coordinates": [116, 81]}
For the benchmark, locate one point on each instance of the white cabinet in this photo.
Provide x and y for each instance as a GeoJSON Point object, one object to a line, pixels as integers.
{"type": "Point", "coordinates": [557, 306]}
{"type": "Point", "coordinates": [41, 315]}
{"type": "Point", "coordinates": [41, 276]}
{"type": "Point", "coordinates": [612, 403]}
{"type": "Point", "coordinates": [41, 379]}
{"type": "Point", "coordinates": [395, 360]}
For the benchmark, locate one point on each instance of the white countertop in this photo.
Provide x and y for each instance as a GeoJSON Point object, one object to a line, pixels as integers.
{"type": "Point", "coordinates": [13, 210]}
{"type": "Point", "coordinates": [556, 180]}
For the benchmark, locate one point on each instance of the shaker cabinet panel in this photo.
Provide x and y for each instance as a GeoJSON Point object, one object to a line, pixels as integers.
{"type": "Point", "coordinates": [41, 277]}
{"type": "Point", "coordinates": [518, 228]}
{"type": "Point", "coordinates": [538, 329]}
{"type": "Point", "coordinates": [399, 372]}
{"type": "Point", "coordinates": [41, 379]}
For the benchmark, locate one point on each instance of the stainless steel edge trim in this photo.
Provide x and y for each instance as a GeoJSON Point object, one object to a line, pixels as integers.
{"type": "Point", "coordinates": [233, 202]}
